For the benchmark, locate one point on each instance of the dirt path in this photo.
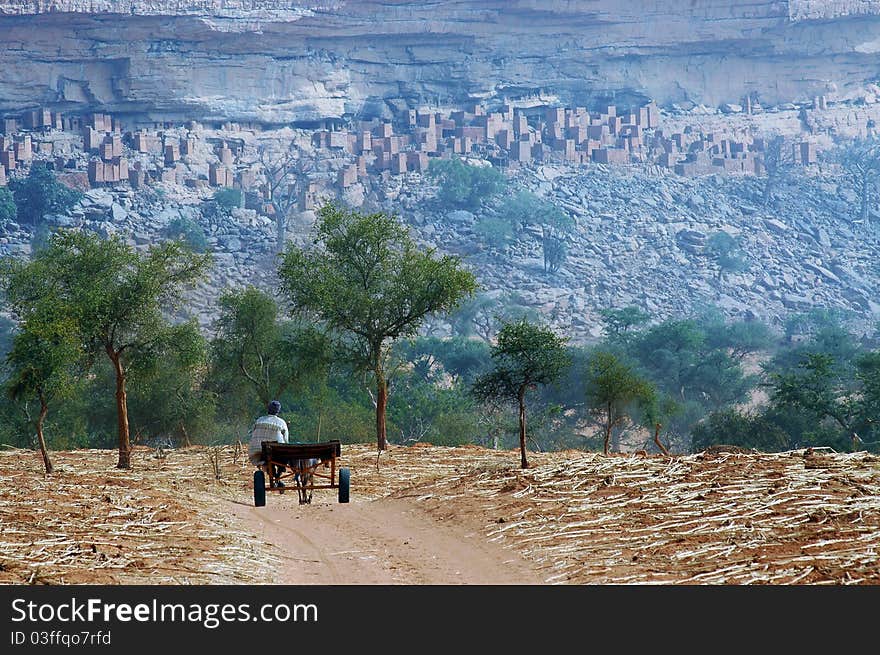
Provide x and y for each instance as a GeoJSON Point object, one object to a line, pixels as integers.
{"type": "Point", "coordinates": [385, 541]}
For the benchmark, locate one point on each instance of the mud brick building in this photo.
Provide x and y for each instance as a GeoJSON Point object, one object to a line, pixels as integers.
{"type": "Point", "coordinates": [7, 160]}
{"type": "Point", "coordinates": [806, 154]}
{"type": "Point", "coordinates": [220, 176]}
{"type": "Point", "coordinates": [23, 149]}
{"type": "Point", "coordinates": [147, 143]}
{"type": "Point", "coordinates": [8, 126]}
{"type": "Point", "coordinates": [611, 156]}
{"type": "Point", "coordinates": [172, 154]}
{"type": "Point", "coordinates": [347, 176]}
{"type": "Point", "coordinates": [224, 153]}
{"type": "Point", "coordinates": [137, 177]}
{"type": "Point", "coordinates": [108, 172]}
{"type": "Point", "coordinates": [398, 163]}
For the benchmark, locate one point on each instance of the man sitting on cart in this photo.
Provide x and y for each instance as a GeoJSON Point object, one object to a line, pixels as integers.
{"type": "Point", "coordinates": [267, 428]}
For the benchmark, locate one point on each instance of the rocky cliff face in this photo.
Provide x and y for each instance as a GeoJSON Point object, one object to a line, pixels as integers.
{"type": "Point", "coordinates": [281, 61]}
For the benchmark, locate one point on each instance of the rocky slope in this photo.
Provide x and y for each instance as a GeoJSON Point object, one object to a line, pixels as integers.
{"type": "Point", "coordinates": [281, 61]}
{"type": "Point", "coordinates": [642, 238]}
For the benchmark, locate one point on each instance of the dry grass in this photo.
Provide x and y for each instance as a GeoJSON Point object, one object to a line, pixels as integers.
{"type": "Point", "coordinates": [725, 518]}
{"type": "Point", "coordinates": [91, 523]}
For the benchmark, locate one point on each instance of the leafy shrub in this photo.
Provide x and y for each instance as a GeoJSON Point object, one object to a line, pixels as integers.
{"type": "Point", "coordinates": [8, 210]}
{"type": "Point", "coordinates": [227, 199]}
{"type": "Point", "coordinates": [40, 194]}
{"type": "Point", "coordinates": [465, 186]}
{"type": "Point", "coordinates": [495, 232]}
{"type": "Point", "coordinates": [188, 231]}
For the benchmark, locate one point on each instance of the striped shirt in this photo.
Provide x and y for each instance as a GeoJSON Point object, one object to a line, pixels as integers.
{"type": "Point", "coordinates": [266, 428]}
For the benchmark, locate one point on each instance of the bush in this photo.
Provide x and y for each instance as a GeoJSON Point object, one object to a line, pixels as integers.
{"type": "Point", "coordinates": [40, 194]}
{"type": "Point", "coordinates": [464, 186]}
{"type": "Point", "coordinates": [495, 232]}
{"type": "Point", "coordinates": [731, 428]}
{"type": "Point", "coordinates": [189, 231]}
{"type": "Point", "coordinates": [227, 199]}
{"type": "Point", "coordinates": [8, 209]}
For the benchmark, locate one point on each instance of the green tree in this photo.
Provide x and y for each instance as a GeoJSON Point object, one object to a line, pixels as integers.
{"type": "Point", "coordinates": [188, 231]}
{"type": "Point", "coordinates": [115, 297]}
{"type": "Point", "coordinates": [730, 427]}
{"type": "Point", "coordinates": [656, 411]}
{"type": "Point", "coordinates": [868, 409]}
{"type": "Point", "coordinates": [819, 388]}
{"type": "Point", "coordinates": [525, 209]}
{"type": "Point", "coordinates": [228, 199]}
{"type": "Point", "coordinates": [256, 348]}
{"type": "Point", "coordinates": [40, 194]}
{"type": "Point", "coordinates": [495, 232]}
{"type": "Point", "coordinates": [621, 324]}
{"type": "Point", "coordinates": [7, 332]}
{"type": "Point", "coordinates": [465, 186]}
{"type": "Point", "coordinates": [482, 314]}
{"type": "Point", "coordinates": [727, 253]}
{"type": "Point", "coordinates": [525, 356]}
{"type": "Point", "coordinates": [739, 338]}
{"type": "Point", "coordinates": [613, 391]}
{"type": "Point", "coordinates": [167, 397]}
{"type": "Point", "coordinates": [8, 210]}
{"type": "Point", "coordinates": [42, 366]}
{"type": "Point", "coordinates": [370, 282]}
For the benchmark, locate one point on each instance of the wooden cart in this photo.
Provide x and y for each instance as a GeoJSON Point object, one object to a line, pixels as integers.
{"type": "Point", "coordinates": [303, 466]}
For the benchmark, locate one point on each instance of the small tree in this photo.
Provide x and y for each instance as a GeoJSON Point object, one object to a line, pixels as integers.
{"type": "Point", "coordinates": [42, 362]}
{"type": "Point", "coordinates": [228, 199]}
{"type": "Point", "coordinates": [860, 161]}
{"type": "Point", "coordinates": [778, 163]}
{"type": "Point", "coordinates": [40, 194]}
{"type": "Point", "coordinates": [526, 209]}
{"type": "Point", "coordinates": [8, 210]}
{"type": "Point", "coordinates": [727, 253]}
{"type": "Point", "coordinates": [368, 280]}
{"type": "Point", "coordinates": [188, 231]}
{"type": "Point", "coordinates": [284, 174]}
{"type": "Point", "coordinates": [465, 186]}
{"type": "Point", "coordinates": [621, 324]}
{"type": "Point", "coordinates": [115, 297]}
{"type": "Point", "coordinates": [818, 388]}
{"type": "Point", "coordinates": [167, 396]}
{"type": "Point", "coordinates": [525, 356]}
{"type": "Point", "coordinates": [613, 391]}
{"type": "Point", "coordinates": [255, 348]}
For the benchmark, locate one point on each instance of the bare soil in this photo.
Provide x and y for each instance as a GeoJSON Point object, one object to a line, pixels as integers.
{"type": "Point", "coordinates": [434, 515]}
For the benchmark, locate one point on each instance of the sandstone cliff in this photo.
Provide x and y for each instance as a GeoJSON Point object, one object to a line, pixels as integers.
{"type": "Point", "coordinates": [281, 61]}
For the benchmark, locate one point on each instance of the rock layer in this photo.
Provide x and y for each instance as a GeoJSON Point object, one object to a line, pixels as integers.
{"type": "Point", "coordinates": [281, 61]}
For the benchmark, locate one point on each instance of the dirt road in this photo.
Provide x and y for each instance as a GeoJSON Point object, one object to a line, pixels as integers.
{"type": "Point", "coordinates": [384, 541]}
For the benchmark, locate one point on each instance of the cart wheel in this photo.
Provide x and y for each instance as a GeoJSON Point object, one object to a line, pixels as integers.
{"type": "Point", "coordinates": [344, 484]}
{"type": "Point", "coordinates": [259, 488]}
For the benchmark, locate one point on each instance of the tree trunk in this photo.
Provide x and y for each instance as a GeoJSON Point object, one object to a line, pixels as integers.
{"type": "Point", "coordinates": [281, 226]}
{"type": "Point", "coordinates": [121, 413]}
{"type": "Point", "coordinates": [608, 426]}
{"type": "Point", "coordinates": [866, 192]}
{"type": "Point", "coordinates": [44, 409]}
{"type": "Point", "coordinates": [381, 404]}
{"type": "Point", "coordinates": [524, 462]}
{"type": "Point", "coordinates": [657, 441]}
{"type": "Point", "coordinates": [768, 187]}
{"type": "Point", "coordinates": [185, 436]}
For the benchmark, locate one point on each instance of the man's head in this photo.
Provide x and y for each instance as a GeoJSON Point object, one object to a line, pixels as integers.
{"type": "Point", "coordinates": [274, 407]}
